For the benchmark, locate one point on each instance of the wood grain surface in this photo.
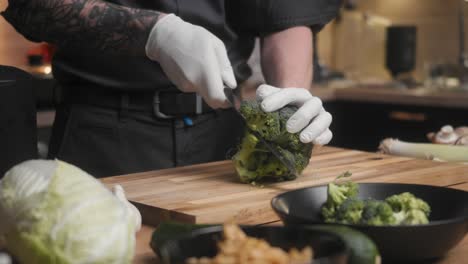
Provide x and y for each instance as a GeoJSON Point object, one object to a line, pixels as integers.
{"type": "Point", "coordinates": [211, 193]}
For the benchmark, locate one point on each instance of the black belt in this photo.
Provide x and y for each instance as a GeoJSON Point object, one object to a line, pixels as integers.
{"type": "Point", "coordinates": [164, 104]}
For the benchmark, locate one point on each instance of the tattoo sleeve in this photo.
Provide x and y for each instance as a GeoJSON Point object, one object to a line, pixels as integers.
{"type": "Point", "coordinates": [89, 24]}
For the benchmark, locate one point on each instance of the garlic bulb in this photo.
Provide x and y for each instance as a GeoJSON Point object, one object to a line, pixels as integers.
{"type": "Point", "coordinates": [462, 131]}
{"type": "Point", "coordinates": [449, 136]}
{"type": "Point", "coordinates": [462, 141]}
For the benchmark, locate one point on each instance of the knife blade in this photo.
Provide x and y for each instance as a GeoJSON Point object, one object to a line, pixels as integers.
{"type": "Point", "coordinates": [235, 101]}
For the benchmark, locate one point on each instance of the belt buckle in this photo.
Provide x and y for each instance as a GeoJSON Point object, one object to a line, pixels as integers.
{"type": "Point", "coordinates": [156, 110]}
{"type": "Point", "coordinates": [157, 103]}
{"type": "Point", "coordinates": [198, 104]}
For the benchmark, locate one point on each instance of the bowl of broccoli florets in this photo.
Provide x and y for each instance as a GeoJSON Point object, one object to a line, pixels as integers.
{"type": "Point", "coordinates": [408, 222]}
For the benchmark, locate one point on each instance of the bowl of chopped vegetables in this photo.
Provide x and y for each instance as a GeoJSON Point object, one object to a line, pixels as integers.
{"type": "Point", "coordinates": [408, 222]}
{"type": "Point", "coordinates": [232, 244]}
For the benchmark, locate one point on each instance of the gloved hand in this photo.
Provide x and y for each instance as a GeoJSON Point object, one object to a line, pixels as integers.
{"type": "Point", "coordinates": [311, 119]}
{"type": "Point", "coordinates": [194, 59]}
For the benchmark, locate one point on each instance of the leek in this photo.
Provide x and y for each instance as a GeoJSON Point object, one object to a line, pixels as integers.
{"type": "Point", "coordinates": [442, 152]}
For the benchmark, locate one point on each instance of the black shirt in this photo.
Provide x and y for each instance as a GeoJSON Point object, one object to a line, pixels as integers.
{"type": "Point", "coordinates": [236, 22]}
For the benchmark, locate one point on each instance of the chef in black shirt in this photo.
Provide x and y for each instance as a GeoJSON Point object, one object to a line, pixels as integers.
{"type": "Point", "coordinates": [142, 80]}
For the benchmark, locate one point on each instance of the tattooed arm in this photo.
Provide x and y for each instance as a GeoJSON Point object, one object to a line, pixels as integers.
{"type": "Point", "coordinates": [83, 24]}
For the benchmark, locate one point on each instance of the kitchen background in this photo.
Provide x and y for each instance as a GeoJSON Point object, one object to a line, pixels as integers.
{"type": "Point", "coordinates": [355, 44]}
{"type": "Point", "coordinates": [353, 47]}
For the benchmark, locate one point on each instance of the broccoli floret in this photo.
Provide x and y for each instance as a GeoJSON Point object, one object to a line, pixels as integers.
{"type": "Point", "coordinates": [267, 125]}
{"type": "Point", "coordinates": [245, 165]}
{"type": "Point", "coordinates": [415, 217]}
{"type": "Point", "coordinates": [407, 201]}
{"type": "Point", "coordinates": [377, 212]}
{"type": "Point", "coordinates": [329, 214]}
{"type": "Point", "coordinates": [350, 211]}
{"type": "Point", "coordinates": [253, 161]}
{"type": "Point", "coordinates": [337, 193]}
{"type": "Point", "coordinates": [408, 209]}
{"type": "Point", "coordinates": [343, 206]}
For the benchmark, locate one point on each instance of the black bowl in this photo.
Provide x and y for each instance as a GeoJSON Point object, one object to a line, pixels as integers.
{"type": "Point", "coordinates": [448, 220]}
{"type": "Point", "coordinates": [328, 247]}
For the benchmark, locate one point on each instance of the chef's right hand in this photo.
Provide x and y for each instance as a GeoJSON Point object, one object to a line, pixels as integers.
{"type": "Point", "coordinates": [194, 59]}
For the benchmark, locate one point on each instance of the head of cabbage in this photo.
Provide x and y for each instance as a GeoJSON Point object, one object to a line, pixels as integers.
{"type": "Point", "coordinates": [54, 212]}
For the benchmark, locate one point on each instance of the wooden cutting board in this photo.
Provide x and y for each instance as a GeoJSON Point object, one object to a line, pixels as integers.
{"type": "Point", "coordinates": [211, 192]}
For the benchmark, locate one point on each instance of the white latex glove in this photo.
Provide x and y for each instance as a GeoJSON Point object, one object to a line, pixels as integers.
{"type": "Point", "coordinates": [194, 59]}
{"type": "Point", "coordinates": [311, 119]}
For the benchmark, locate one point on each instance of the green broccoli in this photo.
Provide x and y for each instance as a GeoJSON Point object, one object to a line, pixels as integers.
{"type": "Point", "coordinates": [377, 212]}
{"type": "Point", "coordinates": [415, 217]}
{"type": "Point", "coordinates": [329, 214]}
{"type": "Point", "coordinates": [337, 193]}
{"type": "Point", "coordinates": [253, 161]}
{"type": "Point", "coordinates": [408, 209]}
{"type": "Point", "coordinates": [350, 211]}
{"type": "Point", "coordinates": [343, 206]}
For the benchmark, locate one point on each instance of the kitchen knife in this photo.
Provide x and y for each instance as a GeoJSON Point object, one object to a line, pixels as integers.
{"type": "Point", "coordinates": [235, 101]}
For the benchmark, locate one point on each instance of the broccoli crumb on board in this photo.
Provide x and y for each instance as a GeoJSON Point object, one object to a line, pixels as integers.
{"type": "Point", "coordinates": [255, 184]}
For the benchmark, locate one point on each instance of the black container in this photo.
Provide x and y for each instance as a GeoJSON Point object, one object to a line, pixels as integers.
{"type": "Point", "coordinates": [397, 244]}
{"type": "Point", "coordinates": [400, 49]}
{"type": "Point", "coordinates": [328, 248]}
{"type": "Point", "coordinates": [18, 137]}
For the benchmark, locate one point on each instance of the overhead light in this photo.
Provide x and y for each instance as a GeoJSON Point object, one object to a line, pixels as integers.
{"type": "Point", "coordinates": [47, 69]}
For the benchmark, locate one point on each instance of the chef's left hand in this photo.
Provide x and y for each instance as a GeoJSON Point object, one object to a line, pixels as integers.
{"type": "Point", "coordinates": [310, 119]}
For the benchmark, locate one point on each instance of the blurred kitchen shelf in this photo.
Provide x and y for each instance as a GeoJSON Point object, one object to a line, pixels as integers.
{"type": "Point", "coordinates": [363, 125]}
{"type": "Point", "coordinates": [412, 97]}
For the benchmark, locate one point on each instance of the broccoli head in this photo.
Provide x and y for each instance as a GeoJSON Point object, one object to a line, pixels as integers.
{"type": "Point", "coordinates": [377, 212]}
{"type": "Point", "coordinates": [253, 160]}
{"type": "Point", "coordinates": [408, 209]}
